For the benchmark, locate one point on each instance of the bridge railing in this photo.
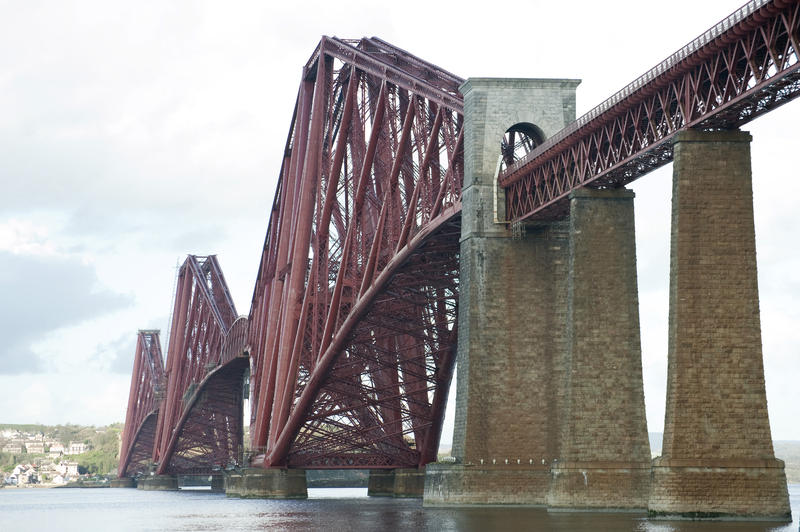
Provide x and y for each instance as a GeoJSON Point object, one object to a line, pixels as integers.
{"type": "Point", "coordinates": [660, 69]}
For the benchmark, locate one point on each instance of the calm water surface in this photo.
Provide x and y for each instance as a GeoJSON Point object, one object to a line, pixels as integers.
{"type": "Point", "coordinates": [348, 510]}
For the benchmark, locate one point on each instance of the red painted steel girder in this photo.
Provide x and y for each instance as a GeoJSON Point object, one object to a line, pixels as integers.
{"type": "Point", "coordinates": [199, 357]}
{"type": "Point", "coordinates": [144, 400]}
{"type": "Point", "coordinates": [746, 65]}
{"type": "Point", "coordinates": [208, 436]}
{"type": "Point", "coordinates": [353, 319]}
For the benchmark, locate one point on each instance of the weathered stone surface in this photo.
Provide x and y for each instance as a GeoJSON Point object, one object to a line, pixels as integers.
{"type": "Point", "coordinates": [258, 483]}
{"type": "Point", "coordinates": [754, 489]}
{"type": "Point", "coordinates": [597, 485]}
{"type": "Point", "coordinates": [381, 483]}
{"type": "Point", "coordinates": [457, 484]}
{"type": "Point", "coordinates": [123, 482]}
{"type": "Point", "coordinates": [717, 458]}
{"type": "Point", "coordinates": [409, 483]}
{"type": "Point", "coordinates": [158, 483]}
{"type": "Point", "coordinates": [604, 451]}
{"type": "Point", "coordinates": [511, 309]}
{"type": "Point", "coordinates": [218, 484]}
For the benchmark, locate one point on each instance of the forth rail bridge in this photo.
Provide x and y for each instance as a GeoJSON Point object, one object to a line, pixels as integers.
{"type": "Point", "coordinates": [422, 219]}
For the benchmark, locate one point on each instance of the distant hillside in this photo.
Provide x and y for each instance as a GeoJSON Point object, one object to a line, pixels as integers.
{"type": "Point", "coordinates": [103, 442]}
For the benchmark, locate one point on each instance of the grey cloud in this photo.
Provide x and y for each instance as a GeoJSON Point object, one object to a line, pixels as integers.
{"type": "Point", "coordinates": [117, 355]}
{"type": "Point", "coordinates": [41, 295]}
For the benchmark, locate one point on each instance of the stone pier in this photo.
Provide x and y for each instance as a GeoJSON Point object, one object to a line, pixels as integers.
{"type": "Point", "coordinates": [123, 482]}
{"type": "Point", "coordinates": [260, 483]}
{"type": "Point", "coordinates": [511, 312]}
{"type": "Point", "coordinates": [158, 483]}
{"type": "Point", "coordinates": [401, 483]}
{"type": "Point", "coordinates": [604, 451]}
{"type": "Point", "coordinates": [218, 484]}
{"type": "Point", "coordinates": [381, 483]}
{"type": "Point", "coordinates": [718, 459]}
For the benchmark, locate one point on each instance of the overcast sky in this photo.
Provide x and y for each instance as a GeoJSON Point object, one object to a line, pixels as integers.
{"type": "Point", "coordinates": [133, 133]}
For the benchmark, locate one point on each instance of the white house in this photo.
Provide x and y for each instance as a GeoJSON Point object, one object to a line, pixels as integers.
{"type": "Point", "coordinates": [77, 447]}
{"type": "Point", "coordinates": [67, 469]}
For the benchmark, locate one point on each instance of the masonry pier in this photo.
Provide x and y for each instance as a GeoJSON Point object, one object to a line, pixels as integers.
{"type": "Point", "coordinates": [158, 483]}
{"type": "Point", "coordinates": [604, 451]}
{"type": "Point", "coordinates": [511, 312]}
{"type": "Point", "coordinates": [381, 483]}
{"type": "Point", "coordinates": [266, 483]}
{"type": "Point", "coordinates": [718, 459]}
{"type": "Point", "coordinates": [400, 483]}
{"type": "Point", "coordinates": [123, 482]}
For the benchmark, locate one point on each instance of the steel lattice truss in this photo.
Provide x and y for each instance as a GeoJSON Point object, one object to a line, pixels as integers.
{"type": "Point", "coordinates": [199, 426]}
{"type": "Point", "coordinates": [353, 320]}
{"type": "Point", "coordinates": [209, 435]}
{"type": "Point", "coordinates": [146, 396]}
{"type": "Point", "coordinates": [741, 68]}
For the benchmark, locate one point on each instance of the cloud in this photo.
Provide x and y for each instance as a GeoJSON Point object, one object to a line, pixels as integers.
{"type": "Point", "coordinates": [41, 295]}
{"type": "Point", "coordinates": [117, 356]}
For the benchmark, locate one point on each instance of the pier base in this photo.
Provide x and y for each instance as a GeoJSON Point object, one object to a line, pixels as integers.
{"type": "Point", "coordinates": [719, 489]}
{"type": "Point", "coordinates": [595, 485]}
{"type": "Point", "coordinates": [158, 483]}
{"type": "Point", "coordinates": [218, 484]}
{"type": "Point", "coordinates": [124, 482]}
{"type": "Point", "coordinates": [257, 483]}
{"type": "Point", "coordinates": [466, 485]}
{"type": "Point", "coordinates": [401, 483]}
{"type": "Point", "coordinates": [409, 483]}
{"type": "Point", "coordinates": [381, 483]}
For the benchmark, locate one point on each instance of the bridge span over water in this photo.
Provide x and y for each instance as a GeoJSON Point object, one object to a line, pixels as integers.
{"type": "Point", "coordinates": [421, 218]}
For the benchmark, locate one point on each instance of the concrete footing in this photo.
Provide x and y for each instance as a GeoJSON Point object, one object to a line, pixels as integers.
{"type": "Point", "coordinates": [463, 485]}
{"type": "Point", "coordinates": [124, 482]}
{"type": "Point", "coordinates": [158, 483]}
{"type": "Point", "coordinates": [258, 483]}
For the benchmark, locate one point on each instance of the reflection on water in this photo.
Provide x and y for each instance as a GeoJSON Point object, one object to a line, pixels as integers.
{"type": "Point", "coordinates": [327, 509]}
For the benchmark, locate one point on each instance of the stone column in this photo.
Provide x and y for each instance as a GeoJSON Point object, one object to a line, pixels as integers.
{"type": "Point", "coordinates": [717, 457]}
{"type": "Point", "coordinates": [604, 458]}
{"type": "Point", "coordinates": [511, 312]}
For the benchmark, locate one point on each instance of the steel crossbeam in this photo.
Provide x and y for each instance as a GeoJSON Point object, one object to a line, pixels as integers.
{"type": "Point", "coordinates": [145, 399]}
{"type": "Point", "coordinates": [368, 196]}
{"type": "Point", "coordinates": [745, 66]}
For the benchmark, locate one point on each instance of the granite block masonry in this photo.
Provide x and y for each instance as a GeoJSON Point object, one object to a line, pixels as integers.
{"type": "Point", "coordinates": [718, 459]}
{"type": "Point", "coordinates": [604, 450]}
{"type": "Point", "coordinates": [511, 312]}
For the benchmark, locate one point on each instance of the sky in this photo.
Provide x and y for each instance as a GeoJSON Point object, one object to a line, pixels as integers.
{"type": "Point", "coordinates": [133, 133]}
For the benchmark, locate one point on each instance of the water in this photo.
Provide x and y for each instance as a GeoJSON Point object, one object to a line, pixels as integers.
{"type": "Point", "coordinates": [345, 509]}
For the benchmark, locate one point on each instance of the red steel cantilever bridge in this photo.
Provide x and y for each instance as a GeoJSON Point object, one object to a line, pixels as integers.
{"type": "Point", "coordinates": [350, 341]}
